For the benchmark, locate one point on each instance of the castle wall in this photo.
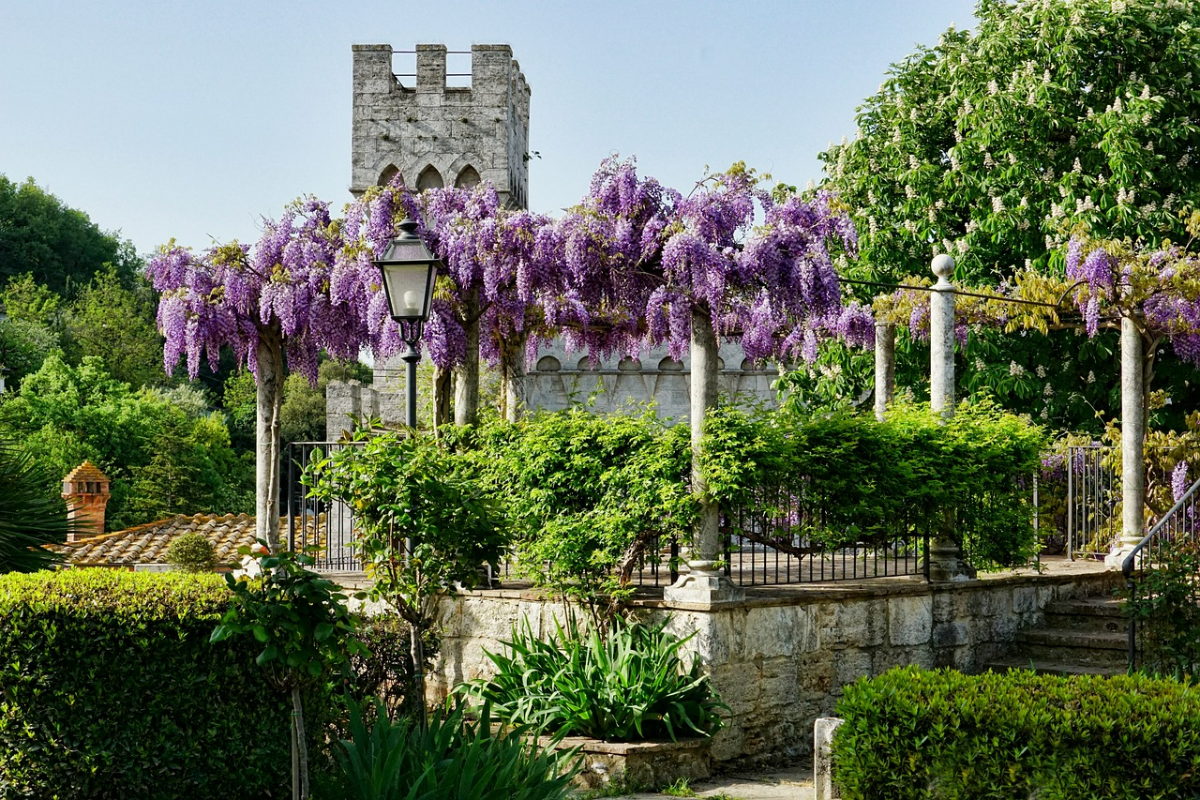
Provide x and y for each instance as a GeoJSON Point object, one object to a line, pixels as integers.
{"type": "Point", "coordinates": [461, 132]}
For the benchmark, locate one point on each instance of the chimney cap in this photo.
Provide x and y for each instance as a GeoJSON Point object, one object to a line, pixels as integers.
{"type": "Point", "coordinates": [87, 471]}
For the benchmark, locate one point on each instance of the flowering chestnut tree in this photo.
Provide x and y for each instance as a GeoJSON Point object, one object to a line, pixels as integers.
{"type": "Point", "coordinates": [266, 303]}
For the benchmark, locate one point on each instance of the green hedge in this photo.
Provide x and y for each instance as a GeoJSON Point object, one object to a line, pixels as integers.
{"type": "Point", "coordinates": [110, 688]}
{"type": "Point", "coordinates": [917, 734]}
{"type": "Point", "coordinates": [855, 479]}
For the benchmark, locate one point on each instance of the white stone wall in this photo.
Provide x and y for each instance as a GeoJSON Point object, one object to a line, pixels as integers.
{"type": "Point", "coordinates": [411, 128]}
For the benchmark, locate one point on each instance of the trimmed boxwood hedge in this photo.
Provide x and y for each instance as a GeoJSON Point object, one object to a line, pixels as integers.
{"type": "Point", "coordinates": [911, 733]}
{"type": "Point", "coordinates": [109, 688]}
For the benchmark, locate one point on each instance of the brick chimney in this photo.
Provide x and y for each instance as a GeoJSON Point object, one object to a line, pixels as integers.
{"type": "Point", "coordinates": [86, 492]}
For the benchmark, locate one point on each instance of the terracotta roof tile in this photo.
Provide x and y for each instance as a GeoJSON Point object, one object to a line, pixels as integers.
{"type": "Point", "coordinates": [148, 544]}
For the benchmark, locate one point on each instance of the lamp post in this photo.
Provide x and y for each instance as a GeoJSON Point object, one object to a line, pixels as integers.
{"type": "Point", "coordinates": [408, 271]}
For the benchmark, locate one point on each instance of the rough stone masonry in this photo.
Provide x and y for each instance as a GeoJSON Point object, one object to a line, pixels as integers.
{"type": "Point", "coordinates": [434, 135]}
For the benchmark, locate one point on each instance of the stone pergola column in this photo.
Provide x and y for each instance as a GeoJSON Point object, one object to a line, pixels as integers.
{"type": "Point", "coordinates": [704, 583]}
{"type": "Point", "coordinates": [1133, 434]}
{"type": "Point", "coordinates": [885, 367]}
{"type": "Point", "coordinates": [941, 338]}
{"type": "Point", "coordinates": [945, 557]}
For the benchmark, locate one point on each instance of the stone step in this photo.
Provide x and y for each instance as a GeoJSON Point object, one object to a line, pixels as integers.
{"type": "Point", "coordinates": [1089, 607]}
{"type": "Point", "coordinates": [1116, 659]}
{"type": "Point", "coordinates": [1072, 639]}
{"type": "Point", "coordinates": [1044, 667]}
{"type": "Point", "coordinates": [1101, 616]}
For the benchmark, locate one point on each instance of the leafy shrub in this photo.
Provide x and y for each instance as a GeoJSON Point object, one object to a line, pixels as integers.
{"type": "Point", "coordinates": [382, 667]}
{"type": "Point", "coordinates": [451, 759]}
{"type": "Point", "coordinates": [629, 685]}
{"type": "Point", "coordinates": [109, 688]}
{"type": "Point", "coordinates": [192, 552]}
{"type": "Point", "coordinates": [586, 496]}
{"type": "Point", "coordinates": [856, 479]}
{"type": "Point", "coordinates": [1164, 607]}
{"type": "Point", "coordinates": [917, 734]}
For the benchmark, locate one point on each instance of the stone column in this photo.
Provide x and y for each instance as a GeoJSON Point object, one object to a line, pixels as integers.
{"type": "Point", "coordinates": [945, 557]}
{"type": "Point", "coordinates": [703, 583]}
{"type": "Point", "coordinates": [941, 338]}
{"type": "Point", "coordinates": [1133, 434]}
{"type": "Point", "coordinates": [823, 730]}
{"type": "Point", "coordinates": [466, 377]}
{"type": "Point", "coordinates": [885, 367]}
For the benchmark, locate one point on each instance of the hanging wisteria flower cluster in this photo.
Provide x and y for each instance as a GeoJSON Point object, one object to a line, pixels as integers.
{"type": "Point", "coordinates": [230, 295]}
{"type": "Point", "coordinates": [622, 270]}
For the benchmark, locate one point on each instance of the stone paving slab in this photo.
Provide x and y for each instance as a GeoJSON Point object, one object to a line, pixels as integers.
{"type": "Point", "coordinates": [794, 784]}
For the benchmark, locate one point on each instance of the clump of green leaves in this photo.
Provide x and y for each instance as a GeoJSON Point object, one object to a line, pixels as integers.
{"type": "Point", "coordinates": [450, 759]}
{"type": "Point", "coordinates": [588, 497]}
{"type": "Point", "coordinates": [303, 624]}
{"type": "Point", "coordinates": [914, 734]}
{"type": "Point", "coordinates": [192, 552]}
{"type": "Point", "coordinates": [628, 685]}
{"type": "Point", "coordinates": [30, 516]}
{"type": "Point", "coordinates": [846, 478]}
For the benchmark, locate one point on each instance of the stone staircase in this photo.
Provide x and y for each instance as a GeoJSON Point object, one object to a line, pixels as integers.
{"type": "Point", "coordinates": [1078, 637]}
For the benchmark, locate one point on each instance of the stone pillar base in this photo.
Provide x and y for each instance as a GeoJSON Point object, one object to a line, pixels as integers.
{"type": "Point", "coordinates": [1117, 557]}
{"type": "Point", "coordinates": [823, 785]}
{"type": "Point", "coordinates": [946, 563]}
{"type": "Point", "coordinates": [704, 584]}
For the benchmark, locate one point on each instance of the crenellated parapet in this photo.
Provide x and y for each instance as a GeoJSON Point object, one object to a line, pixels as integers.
{"type": "Point", "coordinates": [433, 134]}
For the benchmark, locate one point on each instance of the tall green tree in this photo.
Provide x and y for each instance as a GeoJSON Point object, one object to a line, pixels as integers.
{"type": "Point", "coordinates": [117, 324]}
{"type": "Point", "coordinates": [141, 438]}
{"type": "Point", "coordinates": [59, 245]}
{"type": "Point", "coordinates": [993, 144]}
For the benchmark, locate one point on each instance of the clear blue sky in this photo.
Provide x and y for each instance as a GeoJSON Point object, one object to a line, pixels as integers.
{"type": "Point", "coordinates": [193, 120]}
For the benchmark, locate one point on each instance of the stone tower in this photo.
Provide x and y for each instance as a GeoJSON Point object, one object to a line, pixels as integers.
{"type": "Point", "coordinates": [436, 135]}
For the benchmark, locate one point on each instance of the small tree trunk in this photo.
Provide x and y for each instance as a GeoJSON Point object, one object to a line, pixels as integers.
{"type": "Point", "coordinates": [466, 377]}
{"type": "Point", "coordinates": [266, 463]}
{"type": "Point", "coordinates": [512, 366]}
{"type": "Point", "coordinates": [443, 384]}
{"type": "Point", "coordinates": [300, 788]}
{"type": "Point", "coordinates": [706, 542]}
{"type": "Point", "coordinates": [417, 652]}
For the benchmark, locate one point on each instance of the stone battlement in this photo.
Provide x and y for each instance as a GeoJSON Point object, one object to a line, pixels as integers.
{"type": "Point", "coordinates": [434, 135]}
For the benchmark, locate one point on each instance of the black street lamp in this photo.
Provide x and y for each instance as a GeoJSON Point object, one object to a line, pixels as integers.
{"type": "Point", "coordinates": [409, 270]}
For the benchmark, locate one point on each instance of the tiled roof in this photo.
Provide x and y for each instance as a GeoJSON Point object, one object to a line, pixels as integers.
{"type": "Point", "coordinates": [148, 544]}
{"type": "Point", "coordinates": [87, 471]}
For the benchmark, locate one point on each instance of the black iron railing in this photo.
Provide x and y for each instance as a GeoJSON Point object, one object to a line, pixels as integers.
{"type": "Point", "coordinates": [777, 538]}
{"type": "Point", "coordinates": [772, 539]}
{"type": "Point", "coordinates": [311, 523]}
{"type": "Point", "coordinates": [1177, 528]}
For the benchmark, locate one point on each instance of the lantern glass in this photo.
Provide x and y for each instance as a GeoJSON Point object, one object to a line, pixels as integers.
{"type": "Point", "coordinates": [409, 287]}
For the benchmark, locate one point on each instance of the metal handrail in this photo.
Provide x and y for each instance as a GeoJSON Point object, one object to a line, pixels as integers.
{"type": "Point", "coordinates": [1130, 562]}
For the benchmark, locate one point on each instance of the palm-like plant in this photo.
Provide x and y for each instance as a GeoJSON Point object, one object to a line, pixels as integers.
{"type": "Point", "coordinates": [30, 516]}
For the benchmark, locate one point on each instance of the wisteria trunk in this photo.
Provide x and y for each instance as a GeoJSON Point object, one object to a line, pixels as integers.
{"type": "Point", "coordinates": [443, 386]}
{"type": "Point", "coordinates": [466, 377]}
{"type": "Point", "coordinates": [512, 366]}
{"type": "Point", "coordinates": [706, 542]}
{"type": "Point", "coordinates": [270, 402]}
